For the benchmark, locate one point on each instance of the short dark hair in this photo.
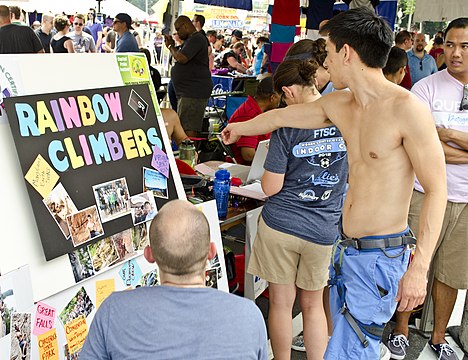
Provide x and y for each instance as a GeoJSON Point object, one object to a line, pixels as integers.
{"type": "Point", "coordinates": [211, 33]}
{"type": "Point", "coordinates": [265, 89]}
{"type": "Point", "coordinates": [460, 23]}
{"type": "Point", "coordinates": [200, 19]}
{"type": "Point", "coordinates": [402, 36]}
{"type": "Point", "coordinates": [368, 34]}
{"type": "Point", "coordinates": [397, 59]}
{"type": "Point", "coordinates": [15, 10]}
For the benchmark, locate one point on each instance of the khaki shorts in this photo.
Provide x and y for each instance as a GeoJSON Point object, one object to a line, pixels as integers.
{"type": "Point", "coordinates": [450, 261]}
{"type": "Point", "coordinates": [280, 258]}
{"type": "Point", "coordinates": [191, 112]}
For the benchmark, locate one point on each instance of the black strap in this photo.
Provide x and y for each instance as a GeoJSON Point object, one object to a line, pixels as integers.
{"type": "Point", "coordinates": [352, 322]}
{"type": "Point", "coordinates": [368, 244]}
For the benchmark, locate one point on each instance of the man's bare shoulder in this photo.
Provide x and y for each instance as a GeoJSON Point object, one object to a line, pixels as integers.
{"type": "Point", "coordinates": [337, 105]}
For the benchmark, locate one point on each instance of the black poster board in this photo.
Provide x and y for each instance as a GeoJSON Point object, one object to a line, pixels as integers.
{"type": "Point", "coordinates": [47, 124]}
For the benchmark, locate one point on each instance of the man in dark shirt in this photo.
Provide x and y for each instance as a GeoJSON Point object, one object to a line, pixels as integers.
{"type": "Point", "coordinates": [16, 39]}
{"type": "Point", "coordinates": [190, 75]}
{"type": "Point", "coordinates": [45, 32]}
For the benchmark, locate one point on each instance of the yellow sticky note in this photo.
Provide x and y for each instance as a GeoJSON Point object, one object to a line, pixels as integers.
{"type": "Point", "coordinates": [76, 332]}
{"type": "Point", "coordinates": [48, 345]}
{"type": "Point", "coordinates": [42, 176]}
{"type": "Point", "coordinates": [103, 289]}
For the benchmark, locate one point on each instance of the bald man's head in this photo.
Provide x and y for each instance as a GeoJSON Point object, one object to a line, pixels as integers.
{"type": "Point", "coordinates": [180, 239]}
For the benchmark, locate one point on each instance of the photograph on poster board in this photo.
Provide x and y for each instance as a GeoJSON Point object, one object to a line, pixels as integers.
{"type": "Point", "coordinates": [112, 199]}
{"type": "Point", "coordinates": [60, 205]}
{"type": "Point", "coordinates": [211, 278]}
{"type": "Point", "coordinates": [140, 237]}
{"type": "Point", "coordinates": [103, 254]}
{"type": "Point", "coordinates": [84, 226]}
{"type": "Point", "coordinates": [71, 356]}
{"type": "Point", "coordinates": [149, 279]}
{"type": "Point", "coordinates": [16, 295]}
{"type": "Point", "coordinates": [136, 102]}
{"type": "Point", "coordinates": [215, 264]}
{"type": "Point", "coordinates": [155, 182]}
{"type": "Point", "coordinates": [80, 304]}
{"type": "Point", "coordinates": [20, 336]}
{"type": "Point", "coordinates": [81, 264]}
{"type": "Point", "coordinates": [123, 243]}
{"type": "Point", "coordinates": [143, 207]}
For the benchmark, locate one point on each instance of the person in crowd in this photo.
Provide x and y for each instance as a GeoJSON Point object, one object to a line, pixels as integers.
{"type": "Point", "coordinates": [404, 40]}
{"type": "Point", "coordinates": [155, 75]}
{"type": "Point", "coordinates": [158, 44]}
{"type": "Point", "coordinates": [82, 42]}
{"type": "Point", "coordinates": [211, 36]}
{"type": "Point", "coordinates": [199, 21]}
{"type": "Point", "coordinates": [389, 137]}
{"type": "Point", "coordinates": [266, 98]}
{"type": "Point", "coordinates": [36, 25]}
{"type": "Point", "coordinates": [236, 36]}
{"type": "Point", "coordinates": [231, 59]}
{"type": "Point", "coordinates": [190, 75]}
{"type": "Point", "coordinates": [16, 39]}
{"type": "Point", "coordinates": [61, 42]}
{"type": "Point", "coordinates": [95, 27]}
{"type": "Point", "coordinates": [109, 43]}
{"type": "Point", "coordinates": [437, 52]}
{"type": "Point", "coordinates": [219, 44]}
{"type": "Point", "coordinates": [175, 319]}
{"type": "Point", "coordinates": [246, 55]}
{"type": "Point", "coordinates": [395, 68]}
{"type": "Point", "coordinates": [289, 253]}
{"type": "Point", "coordinates": [446, 94]}
{"type": "Point", "coordinates": [15, 15]}
{"type": "Point", "coordinates": [260, 64]}
{"type": "Point", "coordinates": [421, 64]}
{"type": "Point", "coordinates": [313, 49]}
{"type": "Point", "coordinates": [45, 32]}
{"type": "Point", "coordinates": [174, 129]}
{"type": "Point", "coordinates": [125, 41]}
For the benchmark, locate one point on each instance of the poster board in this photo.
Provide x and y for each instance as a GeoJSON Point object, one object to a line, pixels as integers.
{"type": "Point", "coordinates": [31, 74]}
{"type": "Point", "coordinates": [53, 282]}
{"type": "Point", "coordinates": [253, 285]}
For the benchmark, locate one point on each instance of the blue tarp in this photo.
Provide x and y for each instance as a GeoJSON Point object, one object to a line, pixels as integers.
{"type": "Point", "coordinates": [235, 4]}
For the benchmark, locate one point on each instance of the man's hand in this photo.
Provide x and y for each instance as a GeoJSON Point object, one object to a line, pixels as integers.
{"type": "Point", "coordinates": [443, 134]}
{"type": "Point", "coordinates": [168, 40]}
{"type": "Point", "coordinates": [411, 289]}
{"type": "Point", "coordinates": [229, 134]}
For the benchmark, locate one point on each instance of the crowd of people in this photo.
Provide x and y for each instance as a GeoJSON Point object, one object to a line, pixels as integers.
{"type": "Point", "coordinates": [359, 170]}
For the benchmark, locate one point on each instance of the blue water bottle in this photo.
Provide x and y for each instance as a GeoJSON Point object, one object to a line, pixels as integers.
{"type": "Point", "coordinates": [222, 184]}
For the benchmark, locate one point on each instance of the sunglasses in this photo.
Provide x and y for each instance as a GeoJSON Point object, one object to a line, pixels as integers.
{"type": "Point", "coordinates": [464, 100]}
{"type": "Point", "coordinates": [78, 24]}
{"type": "Point", "coordinates": [420, 65]}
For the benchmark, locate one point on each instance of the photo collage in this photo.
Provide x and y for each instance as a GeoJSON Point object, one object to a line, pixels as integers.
{"type": "Point", "coordinates": [112, 201]}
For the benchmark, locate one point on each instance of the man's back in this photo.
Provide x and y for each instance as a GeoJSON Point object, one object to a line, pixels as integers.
{"type": "Point", "coordinates": [18, 39]}
{"type": "Point", "coordinates": [166, 322]}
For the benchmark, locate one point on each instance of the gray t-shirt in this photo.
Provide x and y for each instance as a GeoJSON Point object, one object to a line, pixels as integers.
{"type": "Point", "coordinates": [193, 79]}
{"type": "Point", "coordinates": [316, 170]}
{"type": "Point", "coordinates": [166, 322]}
{"type": "Point", "coordinates": [83, 42]}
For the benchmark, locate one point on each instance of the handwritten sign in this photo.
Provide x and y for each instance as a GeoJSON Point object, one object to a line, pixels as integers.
{"type": "Point", "coordinates": [130, 273]}
{"type": "Point", "coordinates": [42, 176]}
{"type": "Point", "coordinates": [45, 318]}
{"type": "Point", "coordinates": [160, 161]}
{"type": "Point", "coordinates": [103, 289]}
{"type": "Point", "coordinates": [48, 345]}
{"type": "Point", "coordinates": [76, 332]}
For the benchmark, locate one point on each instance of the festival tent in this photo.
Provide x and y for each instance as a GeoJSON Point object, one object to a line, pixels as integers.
{"type": "Point", "coordinates": [438, 10]}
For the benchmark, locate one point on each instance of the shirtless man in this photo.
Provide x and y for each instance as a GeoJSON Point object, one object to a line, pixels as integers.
{"type": "Point", "coordinates": [390, 136]}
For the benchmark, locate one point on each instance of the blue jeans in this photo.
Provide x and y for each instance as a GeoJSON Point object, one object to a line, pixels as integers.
{"type": "Point", "coordinates": [363, 273]}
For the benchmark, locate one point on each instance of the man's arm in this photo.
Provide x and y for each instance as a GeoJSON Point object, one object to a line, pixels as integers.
{"type": "Point", "coordinates": [301, 116]}
{"type": "Point", "coordinates": [247, 153]}
{"type": "Point", "coordinates": [176, 54]}
{"type": "Point", "coordinates": [454, 155]}
{"type": "Point", "coordinates": [460, 138]}
{"type": "Point", "coordinates": [424, 150]}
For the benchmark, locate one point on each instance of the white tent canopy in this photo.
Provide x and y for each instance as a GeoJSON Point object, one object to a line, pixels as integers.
{"type": "Point", "coordinates": [440, 10]}
{"type": "Point", "coordinates": [108, 7]}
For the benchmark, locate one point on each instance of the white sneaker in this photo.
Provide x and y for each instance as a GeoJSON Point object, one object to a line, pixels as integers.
{"type": "Point", "coordinates": [298, 343]}
{"type": "Point", "coordinates": [384, 352]}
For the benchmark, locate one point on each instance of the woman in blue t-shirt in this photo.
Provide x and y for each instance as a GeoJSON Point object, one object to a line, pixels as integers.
{"type": "Point", "coordinates": [305, 178]}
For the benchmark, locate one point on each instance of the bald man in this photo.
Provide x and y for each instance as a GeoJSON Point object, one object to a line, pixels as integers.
{"type": "Point", "coordinates": [182, 318]}
{"type": "Point", "coordinates": [45, 32]}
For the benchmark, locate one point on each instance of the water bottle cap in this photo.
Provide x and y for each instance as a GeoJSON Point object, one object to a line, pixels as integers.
{"type": "Point", "coordinates": [222, 174]}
